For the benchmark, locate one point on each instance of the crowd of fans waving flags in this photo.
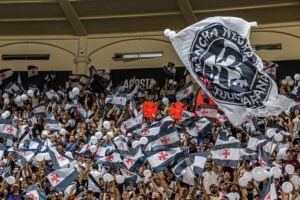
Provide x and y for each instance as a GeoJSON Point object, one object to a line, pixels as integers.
{"type": "Point", "coordinates": [92, 140]}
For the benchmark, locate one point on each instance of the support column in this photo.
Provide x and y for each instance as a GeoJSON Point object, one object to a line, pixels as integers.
{"type": "Point", "coordinates": [81, 59]}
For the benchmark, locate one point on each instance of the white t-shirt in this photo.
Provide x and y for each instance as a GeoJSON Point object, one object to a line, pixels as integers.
{"type": "Point", "coordinates": [97, 175]}
{"type": "Point", "coordinates": [209, 179]}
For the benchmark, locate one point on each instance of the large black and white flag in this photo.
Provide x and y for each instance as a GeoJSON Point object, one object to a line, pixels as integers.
{"type": "Point", "coordinates": [218, 54]}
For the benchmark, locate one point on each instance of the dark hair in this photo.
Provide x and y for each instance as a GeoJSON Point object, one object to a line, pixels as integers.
{"type": "Point", "coordinates": [95, 166]}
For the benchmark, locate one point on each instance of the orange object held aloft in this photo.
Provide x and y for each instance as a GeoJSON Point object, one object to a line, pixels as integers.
{"type": "Point", "coordinates": [150, 109]}
{"type": "Point", "coordinates": [176, 110]}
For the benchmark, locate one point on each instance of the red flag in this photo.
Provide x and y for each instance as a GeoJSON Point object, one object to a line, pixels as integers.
{"type": "Point", "coordinates": [176, 109]}
{"type": "Point", "coordinates": [199, 99]}
{"type": "Point", "coordinates": [150, 109]}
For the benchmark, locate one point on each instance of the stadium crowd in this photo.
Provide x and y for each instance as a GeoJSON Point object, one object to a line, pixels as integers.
{"type": "Point", "coordinates": [117, 143]}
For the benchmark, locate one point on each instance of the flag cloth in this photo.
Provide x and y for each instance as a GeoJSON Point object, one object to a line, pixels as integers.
{"type": "Point", "coordinates": [200, 126]}
{"type": "Point", "coordinates": [198, 161]}
{"type": "Point", "coordinates": [33, 192]}
{"type": "Point", "coordinates": [52, 125]}
{"type": "Point", "coordinates": [226, 154]}
{"type": "Point", "coordinates": [52, 95]}
{"type": "Point", "coordinates": [116, 100]}
{"type": "Point", "coordinates": [7, 129]}
{"type": "Point", "coordinates": [113, 160]}
{"type": "Point", "coordinates": [12, 88]}
{"type": "Point", "coordinates": [24, 155]}
{"type": "Point", "coordinates": [130, 177]}
{"type": "Point", "coordinates": [134, 159]}
{"type": "Point", "coordinates": [208, 111]}
{"type": "Point", "coordinates": [270, 68]}
{"type": "Point", "coordinates": [186, 92]}
{"type": "Point", "coordinates": [217, 53]}
{"type": "Point", "coordinates": [129, 124]}
{"type": "Point", "coordinates": [183, 172]}
{"type": "Point", "coordinates": [39, 110]}
{"type": "Point", "coordinates": [2, 150]}
{"type": "Point", "coordinates": [176, 109]}
{"type": "Point", "coordinates": [59, 160]}
{"type": "Point", "coordinates": [132, 108]}
{"type": "Point", "coordinates": [269, 191]}
{"type": "Point", "coordinates": [60, 179]}
{"type": "Point", "coordinates": [159, 159]}
{"type": "Point", "coordinates": [188, 118]}
{"type": "Point", "coordinates": [150, 109]}
{"type": "Point", "coordinates": [5, 73]}
{"type": "Point", "coordinates": [32, 71]}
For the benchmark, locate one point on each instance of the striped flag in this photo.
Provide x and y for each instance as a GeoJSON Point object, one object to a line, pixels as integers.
{"type": "Point", "coordinates": [59, 160]}
{"type": "Point", "coordinates": [130, 177]}
{"type": "Point", "coordinates": [200, 126]}
{"type": "Point", "coordinates": [52, 95]}
{"type": "Point", "coordinates": [186, 92]}
{"type": "Point", "coordinates": [24, 155]}
{"type": "Point", "coordinates": [129, 124]}
{"type": "Point", "coordinates": [39, 110]}
{"type": "Point", "coordinates": [52, 125]}
{"type": "Point", "coordinates": [113, 160]}
{"type": "Point", "coordinates": [168, 137]}
{"type": "Point", "coordinates": [226, 154]}
{"type": "Point", "coordinates": [32, 71]}
{"type": "Point", "coordinates": [33, 192]}
{"type": "Point", "coordinates": [7, 129]}
{"type": "Point", "coordinates": [121, 144]}
{"type": "Point", "coordinates": [134, 159]}
{"type": "Point", "coordinates": [159, 159]}
{"type": "Point", "coordinates": [11, 88]}
{"type": "Point", "coordinates": [208, 111]}
{"type": "Point", "coordinates": [116, 100]}
{"type": "Point", "coordinates": [5, 73]}
{"type": "Point", "coordinates": [183, 172]}
{"type": "Point", "coordinates": [198, 161]}
{"type": "Point", "coordinates": [270, 68]}
{"type": "Point", "coordinates": [132, 108]}
{"type": "Point", "coordinates": [2, 150]}
{"type": "Point", "coordinates": [269, 191]}
{"type": "Point", "coordinates": [60, 179]}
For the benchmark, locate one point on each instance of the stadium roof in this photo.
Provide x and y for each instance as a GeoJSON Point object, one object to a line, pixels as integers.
{"type": "Point", "coordinates": [86, 17]}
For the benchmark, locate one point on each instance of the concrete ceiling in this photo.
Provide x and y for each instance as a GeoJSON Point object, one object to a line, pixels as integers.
{"type": "Point", "coordinates": [86, 17]}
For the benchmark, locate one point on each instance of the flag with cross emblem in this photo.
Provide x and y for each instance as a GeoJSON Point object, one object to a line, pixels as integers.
{"type": "Point", "coordinates": [184, 172]}
{"type": "Point", "coordinates": [200, 126]}
{"type": "Point", "coordinates": [134, 159]}
{"type": "Point", "coordinates": [167, 137]}
{"type": "Point", "coordinates": [130, 177]}
{"type": "Point", "coordinates": [160, 158]}
{"type": "Point", "coordinates": [129, 124]}
{"type": "Point", "coordinates": [113, 160]}
{"type": "Point", "coordinates": [121, 144]}
{"type": "Point", "coordinates": [59, 160]}
{"type": "Point", "coordinates": [208, 111]}
{"type": "Point", "coordinates": [52, 125]}
{"type": "Point", "coordinates": [176, 109]}
{"type": "Point", "coordinates": [5, 73]}
{"type": "Point", "coordinates": [60, 179]}
{"type": "Point", "coordinates": [7, 129]}
{"type": "Point", "coordinates": [33, 192]}
{"type": "Point", "coordinates": [150, 109]}
{"type": "Point", "coordinates": [227, 153]}
{"type": "Point", "coordinates": [185, 93]}
{"type": "Point", "coordinates": [24, 155]}
{"type": "Point", "coordinates": [39, 110]}
{"type": "Point", "coordinates": [52, 95]}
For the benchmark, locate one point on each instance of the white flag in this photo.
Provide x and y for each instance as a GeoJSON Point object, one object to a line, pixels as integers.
{"type": "Point", "coordinates": [218, 54]}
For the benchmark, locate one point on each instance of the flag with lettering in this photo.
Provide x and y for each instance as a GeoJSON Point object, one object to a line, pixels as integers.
{"type": "Point", "coordinates": [59, 160]}
{"type": "Point", "coordinates": [176, 109]}
{"type": "Point", "coordinates": [60, 179]}
{"type": "Point", "coordinates": [150, 109]}
{"type": "Point", "coordinates": [160, 158]}
{"type": "Point", "coordinates": [8, 129]}
{"type": "Point", "coordinates": [185, 93]}
{"type": "Point", "coordinates": [227, 153]}
{"type": "Point", "coordinates": [218, 54]}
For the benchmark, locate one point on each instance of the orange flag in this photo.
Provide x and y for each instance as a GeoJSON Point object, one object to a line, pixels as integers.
{"type": "Point", "coordinates": [150, 109]}
{"type": "Point", "coordinates": [176, 109]}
